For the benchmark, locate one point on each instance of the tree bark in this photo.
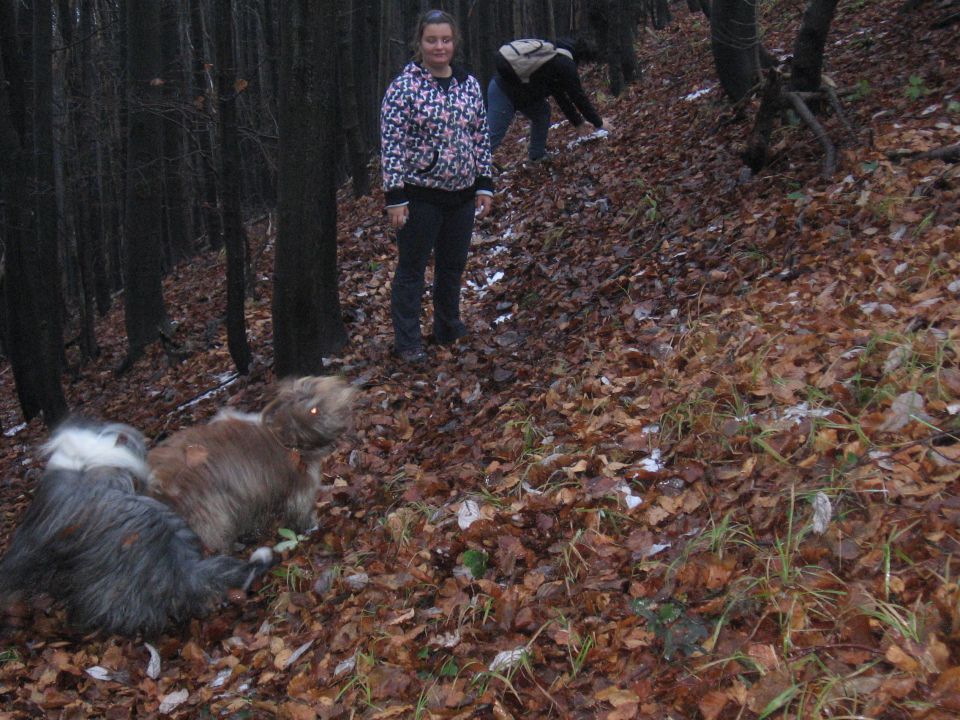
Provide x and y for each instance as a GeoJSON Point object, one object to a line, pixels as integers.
{"type": "Point", "coordinates": [84, 196]}
{"type": "Point", "coordinates": [735, 45]}
{"type": "Point", "coordinates": [306, 308]}
{"type": "Point", "coordinates": [209, 210]}
{"type": "Point", "coordinates": [144, 313]}
{"type": "Point", "coordinates": [233, 236]}
{"type": "Point", "coordinates": [34, 352]}
{"type": "Point", "coordinates": [811, 40]}
{"type": "Point", "coordinates": [177, 225]}
{"type": "Point", "coordinates": [46, 210]}
{"type": "Point", "coordinates": [350, 113]}
{"type": "Point", "coordinates": [550, 12]}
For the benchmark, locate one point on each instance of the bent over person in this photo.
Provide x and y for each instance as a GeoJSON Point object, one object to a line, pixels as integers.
{"type": "Point", "coordinates": [528, 72]}
{"type": "Point", "coordinates": [435, 153]}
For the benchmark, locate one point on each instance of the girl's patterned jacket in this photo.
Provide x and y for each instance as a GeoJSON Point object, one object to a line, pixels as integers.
{"type": "Point", "coordinates": [434, 139]}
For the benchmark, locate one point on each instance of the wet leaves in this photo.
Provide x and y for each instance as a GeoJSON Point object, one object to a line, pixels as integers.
{"type": "Point", "coordinates": [697, 458]}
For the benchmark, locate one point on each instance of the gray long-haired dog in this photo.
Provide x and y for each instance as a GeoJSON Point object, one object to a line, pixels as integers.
{"type": "Point", "coordinates": [239, 475]}
{"type": "Point", "coordinates": [118, 560]}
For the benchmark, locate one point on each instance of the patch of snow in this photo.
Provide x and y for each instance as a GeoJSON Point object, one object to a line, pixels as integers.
{"type": "Point", "coordinates": [657, 548]}
{"type": "Point", "coordinates": [10, 432]}
{"type": "Point", "coordinates": [696, 94]}
{"type": "Point", "coordinates": [221, 678]}
{"type": "Point", "coordinates": [653, 463]}
{"type": "Point", "coordinates": [210, 393]}
{"type": "Point", "coordinates": [632, 501]}
{"type": "Point", "coordinates": [490, 278]}
{"type": "Point", "coordinates": [595, 135]}
{"type": "Point", "coordinates": [803, 410]}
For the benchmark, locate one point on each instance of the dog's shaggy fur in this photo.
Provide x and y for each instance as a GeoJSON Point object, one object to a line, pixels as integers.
{"type": "Point", "coordinates": [237, 476]}
{"type": "Point", "coordinates": [119, 561]}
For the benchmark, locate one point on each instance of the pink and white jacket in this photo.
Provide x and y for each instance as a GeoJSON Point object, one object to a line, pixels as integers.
{"type": "Point", "coordinates": [431, 138]}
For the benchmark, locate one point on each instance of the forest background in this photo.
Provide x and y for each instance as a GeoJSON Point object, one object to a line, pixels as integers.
{"type": "Point", "coordinates": [697, 459]}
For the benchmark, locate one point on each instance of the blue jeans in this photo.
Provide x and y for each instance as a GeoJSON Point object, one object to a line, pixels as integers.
{"type": "Point", "coordinates": [500, 112]}
{"type": "Point", "coordinates": [445, 231]}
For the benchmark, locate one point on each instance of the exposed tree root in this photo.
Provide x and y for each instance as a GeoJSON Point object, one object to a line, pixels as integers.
{"type": "Point", "coordinates": [829, 151]}
{"type": "Point", "coordinates": [773, 100]}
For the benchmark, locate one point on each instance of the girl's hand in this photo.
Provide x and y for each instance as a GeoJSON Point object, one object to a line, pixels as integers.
{"type": "Point", "coordinates": [484, 203]}
{"type": "Point", "coordinates": [398, 215]}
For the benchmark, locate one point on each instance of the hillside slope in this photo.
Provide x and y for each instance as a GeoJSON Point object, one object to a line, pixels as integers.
{"type": "Point", "coordinates": [696, 459]}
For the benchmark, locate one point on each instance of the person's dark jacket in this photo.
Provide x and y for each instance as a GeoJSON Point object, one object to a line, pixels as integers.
{"type": "Point", "coordinates": [557, 77]}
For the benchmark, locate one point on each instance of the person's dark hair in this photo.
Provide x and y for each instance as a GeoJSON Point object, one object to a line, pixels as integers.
{"type": "Point", "coordinates": [434, 17]}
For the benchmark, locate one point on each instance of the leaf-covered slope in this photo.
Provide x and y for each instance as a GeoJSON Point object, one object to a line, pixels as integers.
{"type": "Point", "coordinates": [696, 459]}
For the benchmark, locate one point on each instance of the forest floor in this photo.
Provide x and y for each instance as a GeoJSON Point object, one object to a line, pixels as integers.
{"type": "Point", "coordinates": [698, 457]}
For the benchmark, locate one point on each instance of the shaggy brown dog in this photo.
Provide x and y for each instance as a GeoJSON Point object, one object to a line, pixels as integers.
{"type": "Point", "coordinates": [238, 475]}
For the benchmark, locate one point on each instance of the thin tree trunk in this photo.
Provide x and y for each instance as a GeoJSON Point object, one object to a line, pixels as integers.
{"type": "Point", "coordinates": [144, 312]}
{"type": "Point", "coordinates": [306, 309]}
{"type": "Point", "coordinates": [177, 226]}
{"type": "Point", "coordinates": [350, 113]}
{"type": "Point", "coordinates": [548, 9]}
{"type": "Point", "coordinates": [233, 236]}
{"type": "Point", "coordinates": [82, 201]}
{"type": "Point", "coordinates": [202, 127]}
{"type": "Point", "coordinates": [47, 213]}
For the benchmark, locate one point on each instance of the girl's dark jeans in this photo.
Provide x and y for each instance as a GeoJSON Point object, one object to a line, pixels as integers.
{"type": "Point", "coordinates": [444, 230]}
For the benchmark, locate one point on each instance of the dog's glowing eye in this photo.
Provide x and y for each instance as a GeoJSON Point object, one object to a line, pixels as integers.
{"type": "Point", "coordinates": [313, 411]}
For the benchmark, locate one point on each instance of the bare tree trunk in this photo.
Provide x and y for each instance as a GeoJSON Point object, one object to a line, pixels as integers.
{"type": "Point", "coordinates": [82, 198]}
{"type": "Point", "coordinates": [517, 20]}
{"type": "Point", "coordinates": [736, 46]}
{"type": "Point", "coordinates": [629, 18]}
{"type": "Point", "coordinates": [47, 213]}
{"type": "Point", "coordinates": [144, 313]}
{"type": "Point", "coordinates": [176, 219]}
{"type": "Point", "coordinates": [383, 67]}
{"type": "Point", "coordinates": [488, 45]}
{"type": "Point", "coordinates": [34, 352]}
{"type": "Point", "coordinates": [551, 18]}
{"type": "Point", "coordinates": [350, 114]}
{"type": "Point", "coordinates": [365, 58]}
{"type": "Point", "coordinates": [306, 307]}
{"type": "Point", "coordinates": [202, 126]}
{"type": "Point", "coordinates": [234, 239]}
{"type": "Point", "coordinates": [811, 39]}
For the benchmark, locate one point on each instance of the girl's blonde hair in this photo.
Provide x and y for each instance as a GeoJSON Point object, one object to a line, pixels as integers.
{"type": "Point", "coordinates": [434, 17]}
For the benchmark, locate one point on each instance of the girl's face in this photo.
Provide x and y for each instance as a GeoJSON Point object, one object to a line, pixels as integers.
{"type": "Point", "coordinates": [436, 45]}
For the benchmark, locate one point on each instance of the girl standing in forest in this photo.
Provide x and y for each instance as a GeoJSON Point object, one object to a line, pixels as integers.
{"type": "Point", "coordinates": [435, 153]}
